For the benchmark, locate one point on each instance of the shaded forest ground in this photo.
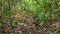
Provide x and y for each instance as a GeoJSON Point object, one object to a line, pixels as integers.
{"type": "Point", "coordinates": [27, 26]}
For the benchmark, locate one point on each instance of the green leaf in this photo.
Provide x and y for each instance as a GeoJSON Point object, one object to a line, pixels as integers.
{"type": "Point", "coordinates": [14, 23]}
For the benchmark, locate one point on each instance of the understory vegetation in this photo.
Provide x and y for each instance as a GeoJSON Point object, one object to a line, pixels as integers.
{"type": "Point", "coordinates": [39, 12]}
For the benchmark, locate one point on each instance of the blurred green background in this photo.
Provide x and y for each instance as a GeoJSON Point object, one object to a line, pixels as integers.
{"type": "Point", "coordinates": [40, 10]}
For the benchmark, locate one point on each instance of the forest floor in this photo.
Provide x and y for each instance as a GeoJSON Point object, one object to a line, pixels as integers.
{"type": "Point", "coordinates": [53, 27]}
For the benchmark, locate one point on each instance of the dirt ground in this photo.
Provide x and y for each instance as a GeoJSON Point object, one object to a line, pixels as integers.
{"type": "Point", "coordinates": [31, 27]}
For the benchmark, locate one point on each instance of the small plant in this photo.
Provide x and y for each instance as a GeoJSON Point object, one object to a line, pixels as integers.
{"type": "Point", "coordinates": [1, 23]}
{"type": "Point", "coordinates": [57, 32]}
{"type": "Point", "coordinates": [14, 23]}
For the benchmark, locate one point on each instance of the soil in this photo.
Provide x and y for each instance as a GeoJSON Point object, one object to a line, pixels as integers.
{"type": "Point", "coordinates": [28, 26]}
